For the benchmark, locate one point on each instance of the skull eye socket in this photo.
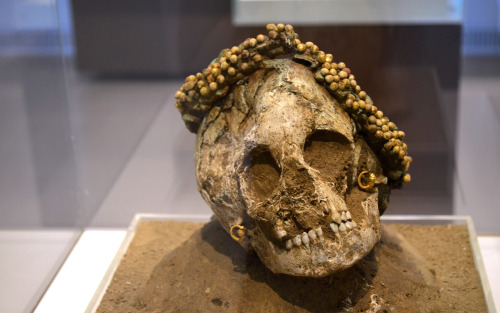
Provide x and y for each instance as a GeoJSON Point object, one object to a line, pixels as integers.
{"type": "Point", "coordinates": [330, 153]}
{"type": "Point", "coordinates": [263, 173]}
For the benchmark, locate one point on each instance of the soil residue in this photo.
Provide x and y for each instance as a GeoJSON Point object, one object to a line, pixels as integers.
{"type": "Point", "coordinates": [186, 267]}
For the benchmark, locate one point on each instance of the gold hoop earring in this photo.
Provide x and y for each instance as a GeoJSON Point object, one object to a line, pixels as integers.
{"type": "Point", "coordinates": [371, 180]}
{"type": "Point", "coordinates": [240, 232]}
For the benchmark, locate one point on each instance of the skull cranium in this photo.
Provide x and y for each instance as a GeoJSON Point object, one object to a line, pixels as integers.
{"type": "Point", "coordinates": [280, 156]}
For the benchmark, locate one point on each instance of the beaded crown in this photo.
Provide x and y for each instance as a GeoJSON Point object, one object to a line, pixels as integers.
{"type": "Point", "coordinates": [200, 92]}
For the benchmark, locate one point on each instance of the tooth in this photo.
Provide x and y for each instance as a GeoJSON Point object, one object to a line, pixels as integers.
{"type": "Point", "coordinates": [348, 215]}
{"type": "Point", "coordinates": [312, 234]}
{"type": "Point", "coordinates": [319, 232]}
{"type": "Point", "coordinates": [342, 227]}
{"type": "Point", "coordinates": [297, 240]}
{"type": "Point", "coordinates": [281, 233]}
{"type": "Point", "coordinates": [305, 239]}
{"type": "Point", "coordinates": [344, 217]}
{"type": "Point", "coordinates": [334, 227]}
{"type": "Point", "coordinates": [348, 225]}
{"type": "Point", "coordinates": [336, 217]}
{"type": "Point", "coordinates": [289, 244]}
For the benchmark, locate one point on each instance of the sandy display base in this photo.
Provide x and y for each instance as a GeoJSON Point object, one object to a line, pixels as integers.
{"type": "Point", "coordinates": [187, 267]}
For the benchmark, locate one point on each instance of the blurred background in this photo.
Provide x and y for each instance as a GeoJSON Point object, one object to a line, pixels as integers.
{"type": "Point", "coordinates": [89, 134]}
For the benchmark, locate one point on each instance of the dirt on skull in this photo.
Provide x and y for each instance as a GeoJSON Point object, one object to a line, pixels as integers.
{"type": "Point", "coordinates": [281, 157]}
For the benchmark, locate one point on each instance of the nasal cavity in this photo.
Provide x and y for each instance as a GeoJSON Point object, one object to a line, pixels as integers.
{"type": "Point", "coordinates": [263, 173]}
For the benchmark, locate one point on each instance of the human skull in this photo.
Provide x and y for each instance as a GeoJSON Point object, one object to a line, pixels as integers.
{"type": "Point", "coordinates": [280, 156]}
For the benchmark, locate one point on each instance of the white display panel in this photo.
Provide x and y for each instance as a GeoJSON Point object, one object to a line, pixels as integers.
{"type": "Point", "coordinates": [346, 12]}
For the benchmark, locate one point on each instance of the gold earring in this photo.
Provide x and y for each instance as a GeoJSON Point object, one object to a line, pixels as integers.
{"type": "Point", "coordinates": [371, 180]}
{"type": "Point", "coordinates": [240, 232]}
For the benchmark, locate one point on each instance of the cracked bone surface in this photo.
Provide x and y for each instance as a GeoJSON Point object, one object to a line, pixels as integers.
{"type": "Point", "coordinates": [280, 156]}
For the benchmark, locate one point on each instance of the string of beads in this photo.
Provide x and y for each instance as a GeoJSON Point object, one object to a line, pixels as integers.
{"type": "Point", "coordinates": [200, 92]}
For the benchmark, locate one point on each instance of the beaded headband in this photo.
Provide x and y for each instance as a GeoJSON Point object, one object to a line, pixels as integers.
{"type": "Point", "coordinates": [200, 92]}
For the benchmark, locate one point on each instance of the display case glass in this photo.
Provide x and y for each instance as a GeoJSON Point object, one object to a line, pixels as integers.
{"type": "Point", "coordinates": [90, 135]}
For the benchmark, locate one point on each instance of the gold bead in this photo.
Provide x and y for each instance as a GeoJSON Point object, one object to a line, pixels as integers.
{"type": "Point", "coordinates": [342, 74]}
{"type": "Point", "coordinates": [379, 114]}
{"type": "Point", "coordinates": [368, 107]}
{"type": "Point", "coordinates": [336, 78]}
{"type": "Point", "coordinates": [289, 28]}
{"type": "Point", "coordinates": [309, 44]}
{"type": "Point", "coordinates": [348, 103]}
{"type": "Point", "coordinates": [379, 134]}
{"type": "Point", "coordinates": [260, 38]}
{"type": "Point", "coordinates": [324, 71]}
{"type": "Point", "coordinates": [385, 128]}
{"type": "Point", "coordinates": [321, 58]}
{"type": "Point", "coordinates": [244, 66]}
{"type": "Point", "coordinates": [213, 86]}
{"type": "Point", "coordinates": [406, 178]}
{"type": "Point", "coordinates": [233, 59]}
{"type": "Point", "coordinates": [224, 66]}
{"type": "Point", "coordinates": [301, 47]}
{"type": "Point", "coordinates": [329, 79]}
{"type": "Point", "coordinates": [401, 134]}
{"type": "Point", "coordinates": [296, 42]}
{"type": "Point", "coordinates": [372, 119]}
{"type": "Point", "coordinates": [235, 50]}
{"type": "Point", "coordinates": [388, 146]}
{"type": "Point", "coordinates": [273, 34]}
{"type": "Point", "coordinates": [355, 105]}
{"type": "Point", "coordinates": [329, 58]}
{"type": "Point", "coordinates": [327, 65]}
{"type": "Point", "coordinates": [204, 91]}
{"type": "Point", "coordinates": [341, 65]}
{"type": "Point", "coordinates": [374, 109]}
{"type": "Point", "coordinates": [190, 78]}
{"type": "Point", "coordinates": [353, 83]}
{"type": "Point", "coordinates": [280, 27]}
{"type": "Point", "coordinates": [372, 128]}
{"type": "Point", "coordinates": [358, 88]}
{"type": "Point", "coordinates": [362, 94]}
{"type": "Point", "coordinates": [314, 49]}
{"type": "Point", "coordinates": [231, 71]}
{"type": "Point", "coordinates": [362, 104]}
{"type": "Point", "coordinates": [270, 27]}
{"type": "Point", "coordinates": [391, 125]}
{"type": "Point", "coordinates": [200, 84]}
{"type": "Point", "coordinates": [334, 86]}
{"type": "Point", "coordinates": [215, 72]}
{"type": "Point", "coordinates": [252, 42]}
{"type": "Point", "coordinates": [257, 58]}
{"type": "Point", "coordinates": [333, 71]}
{"type": "Point", "coordinates": [387, 135]}
{"type": "Point", "coordinates": [220, 79]}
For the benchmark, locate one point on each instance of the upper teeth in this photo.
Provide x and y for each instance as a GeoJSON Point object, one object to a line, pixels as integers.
{"type": "Point", "coordinates": [297, 240]}
{"type": "Point", "coordinates": [305, 239]}
{"type": "Point", "coordinates": [312, 234]}
{"type": "Point", "coordinates": [281, 233]}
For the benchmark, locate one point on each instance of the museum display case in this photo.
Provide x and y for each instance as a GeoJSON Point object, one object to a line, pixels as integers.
{"type": "Point", "coordinates": [91, 136]}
